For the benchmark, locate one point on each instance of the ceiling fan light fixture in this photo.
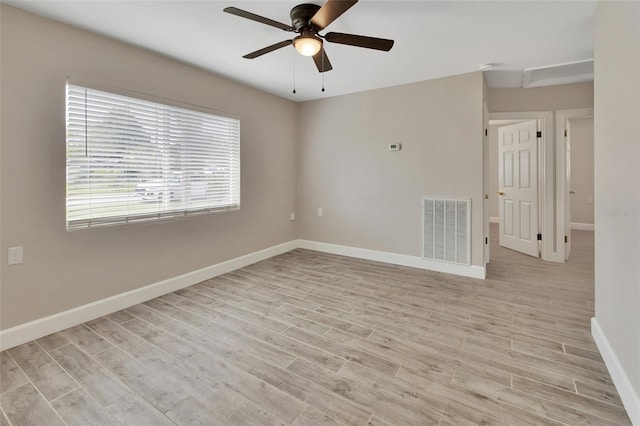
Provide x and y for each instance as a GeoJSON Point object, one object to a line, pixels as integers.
{"type": "Point", "coordinates": [307, 20]}
{"type": "Point", "coordinates": [307, 44]}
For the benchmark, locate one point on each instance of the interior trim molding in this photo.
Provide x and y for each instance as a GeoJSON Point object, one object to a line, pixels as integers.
{"type": "Point", "coordinates": [41, 327]}
{"type": "Point", "coordinates": [583, 226]}
{"type": "Point", "coordinates": [561, 189]}
{"type": "Point", "coordinates": [472, 271]}
{"type": "Point", "coordinates": [494, 219]}
{"type": "Point", "coordinates": [629, 397]}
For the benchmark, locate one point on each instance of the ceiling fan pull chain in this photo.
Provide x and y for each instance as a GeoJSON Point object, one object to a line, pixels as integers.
{"type": "Point", "coordinates": [294, 71]}
{"type": "Point", "coordinates": [322, 51]}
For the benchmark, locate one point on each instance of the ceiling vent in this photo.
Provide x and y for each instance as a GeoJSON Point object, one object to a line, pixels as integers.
{"type": "Point", "coordinates": [571, 72]}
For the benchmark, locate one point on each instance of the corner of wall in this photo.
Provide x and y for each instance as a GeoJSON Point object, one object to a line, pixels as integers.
{"type": "Point", "coordinates": [628, 395]}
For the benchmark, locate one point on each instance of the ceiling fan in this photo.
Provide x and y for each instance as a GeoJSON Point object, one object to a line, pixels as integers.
{"type": "Point", "coordinates": [308, 20]}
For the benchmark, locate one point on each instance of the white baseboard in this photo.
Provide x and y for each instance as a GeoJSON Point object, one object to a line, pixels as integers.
{"type": "Point", "coordinates": [44, 326]}
{"type": "Point", "coordinates": [396, 259]}
{"type": "Point", "coordinates": [493, 219]}
{"type": "Point", "coordinates": [630, 398]}
{"type": "Point", "coordinates": [582, 226]}
{"type": "Point", "coordinates": [36, 329]}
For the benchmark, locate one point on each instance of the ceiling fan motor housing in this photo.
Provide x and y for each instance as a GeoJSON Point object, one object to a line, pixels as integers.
{"type": "Point", "coordinates": [301, 16]}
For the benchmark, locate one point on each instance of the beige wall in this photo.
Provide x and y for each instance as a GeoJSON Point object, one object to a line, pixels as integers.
{"type": "Point", "coordinates": [582, 169]}
{"type": "Point", "coordinates": [617, 181]}
{"type": "Point", "coordinates": [64, 269]}
{"type": "Point", "coordinates": [565, 96]}
{"type": "Point", "coordinates": [372, 196]}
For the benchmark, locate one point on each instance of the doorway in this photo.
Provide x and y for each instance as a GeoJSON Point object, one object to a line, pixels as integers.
{"type": "Point", "coordinates": [574, 185]}
{"type": "Point", "coordinates": [542, 188]}
{"type": "Point", "coordinates": [554, 220]}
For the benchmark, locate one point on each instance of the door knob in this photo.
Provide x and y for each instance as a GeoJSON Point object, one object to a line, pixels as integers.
{"type": "Point", "coordinates": [500, 192]}
{"type": "Point", "coordinates": [572, 192]}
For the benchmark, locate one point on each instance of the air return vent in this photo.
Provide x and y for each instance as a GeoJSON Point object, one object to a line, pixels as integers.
{"type": "Point", "coordinates": [447, 230]}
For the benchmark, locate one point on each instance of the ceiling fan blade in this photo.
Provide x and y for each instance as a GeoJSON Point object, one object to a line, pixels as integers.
{"type": "Point", "coordinates": [257, 18]}
{"type": "Point", "coordinates": [330, 11]}
{"type": "Point", "coordinates": [360, 41]}
{"type": "Point", "coordinates": [268, 49]}
{"type": "Point", "coordinates": [322, 61]}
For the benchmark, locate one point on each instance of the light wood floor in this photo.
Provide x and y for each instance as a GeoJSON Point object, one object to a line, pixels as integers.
{"type": "Point", "coordinates": [310, 338]}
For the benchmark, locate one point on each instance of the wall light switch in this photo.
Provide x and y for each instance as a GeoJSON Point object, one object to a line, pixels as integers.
{"type": "Point", "coordinates": [15, 255]}
{"type": "Point", "coordinates": [292, 216]}
{"type": "Point", "coordinates": [320, 212]}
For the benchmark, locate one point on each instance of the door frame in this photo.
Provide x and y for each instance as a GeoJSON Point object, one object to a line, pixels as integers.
{"type": "Point", "coordinates": [561, 172]}
{"type": "Point", "coordinates": [485, 184]}
{"type": "Point", "coordinates": [547, 198]}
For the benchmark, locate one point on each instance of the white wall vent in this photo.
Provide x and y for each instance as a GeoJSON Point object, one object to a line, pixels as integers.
{"type": "Point", "coordinates": [447, 230]}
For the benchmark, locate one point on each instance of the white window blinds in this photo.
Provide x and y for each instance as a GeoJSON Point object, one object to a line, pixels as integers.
{"type": "Point", "coordinates": [134, 160]}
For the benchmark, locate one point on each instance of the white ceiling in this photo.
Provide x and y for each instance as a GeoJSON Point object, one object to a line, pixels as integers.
{"type": "Point", "coordinates": [432, 39]}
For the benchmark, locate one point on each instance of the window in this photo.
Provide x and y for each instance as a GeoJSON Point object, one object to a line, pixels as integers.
{"type": "Point", "coordinates": [131, 160]}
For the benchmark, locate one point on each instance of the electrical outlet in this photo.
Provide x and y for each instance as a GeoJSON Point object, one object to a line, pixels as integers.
{"type": "Point", "coordinates": [320, 212]}
{"type": "Point", "coordinates": [15, 255]}
{"type": "Point", "coordinates": [589, 200]}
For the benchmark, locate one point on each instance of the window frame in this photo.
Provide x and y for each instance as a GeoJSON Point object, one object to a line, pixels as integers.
{"type": "Point", "coordinates": [187, 205]}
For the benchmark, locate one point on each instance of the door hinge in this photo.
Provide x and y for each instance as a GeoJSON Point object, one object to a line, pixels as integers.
{"type": "Point", "coordinates": [566, 239]}
{"type": "Point", "coordinates": [565, 133]}
{"type": "Point", "coordinates": [486, 132]}
{"type": "Point", "coordinates": [538, 134]}
{"type": "Point", "coordinates": [539, 237]}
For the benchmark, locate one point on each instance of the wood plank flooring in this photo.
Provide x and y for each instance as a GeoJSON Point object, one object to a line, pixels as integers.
{"type": "Point", "coordinates": [308, 338]}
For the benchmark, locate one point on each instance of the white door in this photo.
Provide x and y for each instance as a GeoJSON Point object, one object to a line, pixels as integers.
{"type": "Point", "coordinates": [518, 187]}
{"type": "Point", "coordinates": [567, 192]}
